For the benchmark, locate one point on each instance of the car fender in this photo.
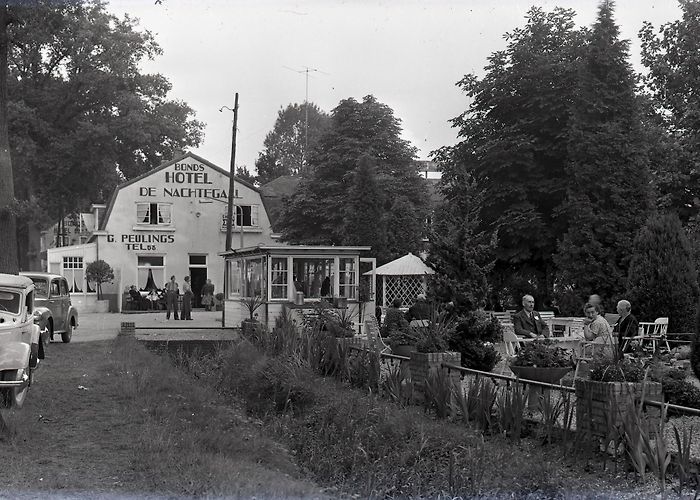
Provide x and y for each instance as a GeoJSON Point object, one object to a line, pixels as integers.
{"type": "Point", "coordinates": [42, 315]}
{"type": "Point", "coordinates": [73, 316]}
{"type": "Point", "coordinates": [14, 356]}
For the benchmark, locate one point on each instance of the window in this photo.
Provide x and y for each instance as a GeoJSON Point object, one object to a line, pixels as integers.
{"type": "Point", "coordinates": [254, 277]}
{"type": "Point", "coordinates": [198, 260]}
{"type": "Point", "coordinates": [278, 278]}
{"type": "Point", "coordinates": [233, 267]}
{"type": "Point", "coordinates": [74, 273]}
{"type": "Point", "coordinates": [246, 216]}
{"type": "Point", "coordinates": [41, 288]}
{"type": "Point", "coordinates": [150, 272]}
{"type": "Point", "coordinates": [153, 213]}
{"type": "Point", "coordinates": [9, 302]}
{"type": "Point", "coordinates": [64, 287]}
{"type": "Point", "coordinates": [55, 288]}
{"type": "Point", "coordinates": [346, 276]}
{"type": "Point", "coordinates": [313, 276]}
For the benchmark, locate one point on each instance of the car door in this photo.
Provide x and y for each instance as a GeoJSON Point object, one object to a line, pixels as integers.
{"type": "Point", "coordinates": [55, 304]}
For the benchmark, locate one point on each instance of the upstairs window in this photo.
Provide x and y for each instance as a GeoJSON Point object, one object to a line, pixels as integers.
{"type": "Point", "coordinates": [157, 214]}
{"type": "Point", "coordinates": [246, 216]}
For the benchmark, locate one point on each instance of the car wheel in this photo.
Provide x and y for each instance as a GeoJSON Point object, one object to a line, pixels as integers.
{"type": "Point", "coordinates": [68, 334]}
{"type": "Point", "coordinates": [14, 397]}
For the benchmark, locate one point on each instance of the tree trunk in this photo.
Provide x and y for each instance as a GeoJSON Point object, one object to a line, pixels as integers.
{"type": "Point", "coordinates": [8, 224]}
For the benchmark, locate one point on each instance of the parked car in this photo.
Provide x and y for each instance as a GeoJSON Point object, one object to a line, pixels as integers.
{"type": "Point", "coordinates": [54, 312]}
{"type": "Point", "coordinates": [19, 339]}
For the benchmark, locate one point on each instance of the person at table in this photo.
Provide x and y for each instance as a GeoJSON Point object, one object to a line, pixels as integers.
{"type": "Point", "coordinates": [627, 325]}
{"type": "Point", "coordinates": [527, 322]}
{"type": "Point", "coordinates": [135, 298]}
{"type": "Point", "coordinates": [595, 328]}
{"type": "Point", "coordinates": [420, 309]}
{"type": "Point", "coordinates": [597, 301]}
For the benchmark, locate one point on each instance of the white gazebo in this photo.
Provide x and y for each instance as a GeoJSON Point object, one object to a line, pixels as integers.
{"type": "Point", "coordinates": [404, 278]}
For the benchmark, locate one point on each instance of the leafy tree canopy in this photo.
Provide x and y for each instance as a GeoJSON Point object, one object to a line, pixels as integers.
{"type": "Point", "coordinates": [319, 210]}
{"type": "Point", "coordinates": [297, 130]}
{"type": "Point", "coordinates": [82, 115]}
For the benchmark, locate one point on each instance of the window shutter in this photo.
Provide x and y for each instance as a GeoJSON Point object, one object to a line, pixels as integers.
{"type": "Point", "coordinates": [254, 215]}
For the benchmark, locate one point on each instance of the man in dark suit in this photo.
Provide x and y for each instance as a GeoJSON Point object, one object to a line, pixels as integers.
{"type": "Point", "coordinates": [627, 325]}
{"type": "Point", "coordinates": [527, 322]}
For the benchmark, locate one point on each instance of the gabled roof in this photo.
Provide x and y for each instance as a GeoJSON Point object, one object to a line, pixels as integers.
{"type": "Point", "coordinates": [408, 265]}
{"type": "Point", "coordinates": [273, 195]}
{"type": "Point", "coordinates": [163, 166]}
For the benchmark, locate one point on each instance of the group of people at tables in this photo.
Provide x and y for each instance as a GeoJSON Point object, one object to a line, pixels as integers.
{"type": "Point", "coordinates": [528, 323]}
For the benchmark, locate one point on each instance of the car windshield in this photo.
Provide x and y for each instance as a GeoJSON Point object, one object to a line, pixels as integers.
{"type": "Point", "coordinates": [9, 302]}
{"type": "Point", "coordinates": [42, 288]}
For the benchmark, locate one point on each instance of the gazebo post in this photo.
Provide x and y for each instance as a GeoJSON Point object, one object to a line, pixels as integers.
{"type": "Point", "coordinates": [384, 290]}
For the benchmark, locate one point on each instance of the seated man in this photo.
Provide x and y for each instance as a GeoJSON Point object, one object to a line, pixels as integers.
{"type": "Point", "coordinates": [627, 325]}
{"type": "Point", "coordinates": [135, 298]}
{"type": "Point", "coordinates": [595, 328]}
{"type": "Point", "coordinates": [527, 322]}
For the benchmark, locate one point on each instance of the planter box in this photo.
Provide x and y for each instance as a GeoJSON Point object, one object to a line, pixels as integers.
{"type": "Point", "coordinates": [549, 375]}
{"type": "Point", "coordinates": [422, 363]}
{"type": "Point", "coordinates": [403, 350]}
{"type": "Point", "coordinates": [596, 401]}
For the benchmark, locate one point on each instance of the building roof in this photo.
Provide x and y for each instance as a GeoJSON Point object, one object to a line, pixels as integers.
{"type": "Point", "coordinates": [408, 265]}
{"type": "Point", "coordinates": [162, 166]}
{"type": "Point", "coordinates": [273, 196]}
{"type": "Point", "coordinates": [289, 249]}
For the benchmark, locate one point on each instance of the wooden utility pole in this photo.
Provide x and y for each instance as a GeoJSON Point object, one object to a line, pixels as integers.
{"type": "Point", "coordinates": [231, 182]}
{"type": "Point", "coordinates": [9, 262]}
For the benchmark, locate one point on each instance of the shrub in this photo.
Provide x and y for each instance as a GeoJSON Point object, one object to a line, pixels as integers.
{"type": "Point", "coordinates": [681, 392]}
{"type": "Point", "coordinates": [478, 355]}
{"type": "Point", "coordinates": [279, 385]}
{"type": "Point", "coordinates": [542, 354]}
{"type": "Point", "coordinates": [603, 370]}
{"type": "Point", "coordinates": [479, 326]}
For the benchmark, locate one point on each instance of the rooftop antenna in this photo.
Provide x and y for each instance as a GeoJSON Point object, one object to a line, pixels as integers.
{"type": "Point", "coordinates": [306, 71]}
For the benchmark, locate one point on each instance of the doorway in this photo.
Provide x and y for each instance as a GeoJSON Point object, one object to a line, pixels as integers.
{"type": "Point", "coordinates": [198, 275]}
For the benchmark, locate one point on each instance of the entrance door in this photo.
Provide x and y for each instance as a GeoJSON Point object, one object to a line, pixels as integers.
{"type": "Point", "coordinates": [198, 275]}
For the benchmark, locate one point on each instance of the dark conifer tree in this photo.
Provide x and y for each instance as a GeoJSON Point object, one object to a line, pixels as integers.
{"type": "Point", "coordinates": [607, 194]}
{"type": "Point", "coordinates": [662, 278]}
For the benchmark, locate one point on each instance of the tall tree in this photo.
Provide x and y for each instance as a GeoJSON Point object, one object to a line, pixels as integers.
{"type": "Point", "coordinates": [8, 242]}
{"type": "Point", "coordinates": [316, 213]}
{"type": "Point", "coordinates": [297, 130]}
{"type": "Point", "coordinates": [513, 143]}
{"type": "Point", "coordinates": [662, 278]}
{"type": "Point", "coordinates": [607, 194]}
{"type": "Point", "coordinates": [82, 115]}
{"type": "Point", "coordinates": [364, 219]}
{"type": "Point", "coordinates": [672, 58]}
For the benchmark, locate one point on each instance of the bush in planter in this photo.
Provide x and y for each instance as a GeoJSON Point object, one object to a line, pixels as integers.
{"type": "Point", "coordinates": [404, 336]}
{"type": "Point", "coordinates": [542, 354]}
{"type": "Point", "coordinates": [626, 370]}
{"type": "Point", "coordinates": [219, 301]}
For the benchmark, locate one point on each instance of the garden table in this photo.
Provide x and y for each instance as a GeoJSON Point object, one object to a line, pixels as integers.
{"type": "Point", "coordinates": [565, 326]}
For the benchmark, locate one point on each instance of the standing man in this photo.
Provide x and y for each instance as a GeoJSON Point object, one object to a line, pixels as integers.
{"type": "Point", "coordinates": [172, 291]}
{"type": "Point", "coordinates": [208, 295]}
{"type": "Point", "coordinates": [627, 325]}
{"type": "Point", "coordinates": [527, 322]}
{"type": "Point", "coordinates": [187, 299]}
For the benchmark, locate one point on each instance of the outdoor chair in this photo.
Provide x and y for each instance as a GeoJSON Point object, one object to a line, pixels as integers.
{"type": "Point", "coordinates": [611, 318]}
{"type": "Point", "coordinates": [589, 350]}
{"type": "Point", "coordinates": [656, 333]}
{"type": "Point", "coordinates": [374, 338]}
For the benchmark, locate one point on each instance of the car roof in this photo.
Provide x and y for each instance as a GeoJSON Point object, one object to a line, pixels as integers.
{"type": "Point", "coordinates": [15, 281]}
{"type": "Point", "coordinates": [39, 274]}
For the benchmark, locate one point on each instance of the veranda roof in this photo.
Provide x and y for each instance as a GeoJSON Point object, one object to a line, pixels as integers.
{"type": "Point", "coordinates": [408, 265]}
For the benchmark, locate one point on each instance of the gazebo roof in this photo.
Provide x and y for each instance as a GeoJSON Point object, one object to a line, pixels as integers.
{"type": "Point", "coordinates": [408, 265]}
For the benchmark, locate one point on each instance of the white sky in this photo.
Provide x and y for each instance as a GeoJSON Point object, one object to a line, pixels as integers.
{"type": "Point", "coordinates": [408, 54]}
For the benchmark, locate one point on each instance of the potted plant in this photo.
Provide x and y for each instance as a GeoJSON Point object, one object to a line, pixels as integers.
{"type": "Point", "coordinates": [252, 304]}
{"type": "Point", "coordinates": [431, 353]}
{"type": "Point", "coordinates": [541, 361]}
{"type": "Point", "coordinates": [99, 272]}
{"type": "Point", "coordinates": [403, 340]}
{"type": "Point", "coordinates": [616, 386]}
